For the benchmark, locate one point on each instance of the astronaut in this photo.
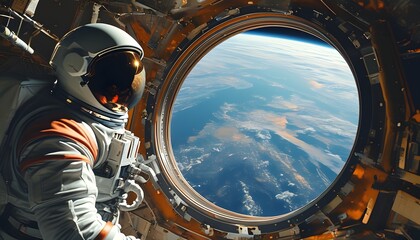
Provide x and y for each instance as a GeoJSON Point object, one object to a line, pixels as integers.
{"type": "Point", "coordinates": [58, 150]}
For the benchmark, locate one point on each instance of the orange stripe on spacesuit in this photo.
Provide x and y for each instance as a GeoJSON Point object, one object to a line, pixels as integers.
{"type": "Point", "coordinates": [105, 230]}
{"type": "Point", "coordinates": [61, 126]}
{"type": "Point", "coordinates": [32, 162]}
{"type": "Point", "coordinates": [75, 131]}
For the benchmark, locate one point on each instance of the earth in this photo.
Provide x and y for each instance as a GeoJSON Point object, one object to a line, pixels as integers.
{"type": "Point", "coordinates": [263, 124]}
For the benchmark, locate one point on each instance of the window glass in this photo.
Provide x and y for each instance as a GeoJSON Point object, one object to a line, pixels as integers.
{"type": "Point", "coordinates": [264, 123]}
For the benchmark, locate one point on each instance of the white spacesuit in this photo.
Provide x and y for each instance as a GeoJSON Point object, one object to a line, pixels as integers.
{"type": "Point", "coordinates": [69, 158]}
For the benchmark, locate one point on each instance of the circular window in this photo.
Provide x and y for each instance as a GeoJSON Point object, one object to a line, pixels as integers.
{"type": "Point", "coordinates": [265, 121]}
{"type": "Point", "coordinates": [256, 122]}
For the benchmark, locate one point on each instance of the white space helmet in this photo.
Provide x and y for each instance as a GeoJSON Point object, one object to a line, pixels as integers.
{"type": "Point", "coordinates": [100, 66]}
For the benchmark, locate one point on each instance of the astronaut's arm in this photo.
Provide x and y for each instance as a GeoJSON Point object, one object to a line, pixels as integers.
{"type": "Point", "coordinates": [62, 193]}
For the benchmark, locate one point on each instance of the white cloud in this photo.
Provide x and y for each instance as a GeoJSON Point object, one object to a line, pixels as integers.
{"type": "Point", "coordinates": [286, 196]}
{"type": "Point", "coordinates": [249, 204]}
{"type": "Point", "coordinates": [306, 130]}
{"type": "Point", "coordinates": [264, 135]}
{"type": "Point", "coordinates": [195, 155]}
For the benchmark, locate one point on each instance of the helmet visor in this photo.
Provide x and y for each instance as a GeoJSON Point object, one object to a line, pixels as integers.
{"type": "Point", "coordinates": [117, 80]}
